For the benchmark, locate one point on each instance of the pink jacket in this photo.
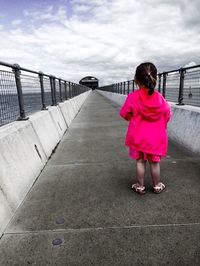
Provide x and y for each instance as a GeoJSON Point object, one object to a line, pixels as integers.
{"type": "Point", "coordinates": [148, 116]}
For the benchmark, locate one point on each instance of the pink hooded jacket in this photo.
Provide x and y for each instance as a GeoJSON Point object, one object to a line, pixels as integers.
{"type": "Point", "coordinates": [148, 116]}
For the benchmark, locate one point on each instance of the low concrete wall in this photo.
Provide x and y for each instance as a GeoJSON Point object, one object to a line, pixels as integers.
{"type": "Point", "coordinates": [25, 148]}
{"type": "Point", "coordinates": [183, 128]}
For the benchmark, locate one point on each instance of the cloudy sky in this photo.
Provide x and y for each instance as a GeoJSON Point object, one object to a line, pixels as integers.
{"type": "Point", "coordinates": [103, 38]}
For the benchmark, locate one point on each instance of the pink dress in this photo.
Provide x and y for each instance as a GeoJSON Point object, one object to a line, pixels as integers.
{"type": "Point", "coordinates": [147, 130]}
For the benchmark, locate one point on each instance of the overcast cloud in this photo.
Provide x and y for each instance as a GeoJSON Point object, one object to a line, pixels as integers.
{"type": "Point", "coordinates": [104, 38]}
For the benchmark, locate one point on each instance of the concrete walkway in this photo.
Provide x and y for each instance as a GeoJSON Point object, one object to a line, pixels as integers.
{"type": "Point", "coordinates": [86, 185]}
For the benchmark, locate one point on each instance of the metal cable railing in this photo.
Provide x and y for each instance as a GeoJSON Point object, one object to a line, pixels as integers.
{"type": "Point", "coordinates": [24, 91]}
{"type": "Point", "coordinates": [181, 86]}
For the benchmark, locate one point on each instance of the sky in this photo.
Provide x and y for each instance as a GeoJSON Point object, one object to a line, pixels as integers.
{"type": "Point", "coordinates": [103, 38]}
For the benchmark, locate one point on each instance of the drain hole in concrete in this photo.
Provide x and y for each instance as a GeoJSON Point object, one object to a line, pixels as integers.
{"type": "Point", "coordinates": [60, 221]}
{"type": "Point", "coordinates": [57, 242]}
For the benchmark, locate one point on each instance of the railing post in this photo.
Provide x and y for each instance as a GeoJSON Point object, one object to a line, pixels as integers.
{"type": "Point", "coordinates": [52, 83]}
{"type": "Point", "coordinates": [16, 70]}
{"type": "Point", "coordinates": [72, 90]}
{"type": "Point", "coordinates": [181, 86]}
{"type": "Point", "coordinates": [51, 86]}
{"type": "Point", "coordinates": [128, 87]}
{"type": "Point", "coordinates": [60, 90]}
{"type": "Point", "coordinates": [133, 86]}
{"type": "Point", "coordinates": [124, 87]}
{"type": "Point", "coordinates": [159, 82]}
{"type": "Point", "coordinates": [41, 76]}
{"type": "Point", "coordinates": [164, 84]}
{"type": "Point", "coordinates": [65, 82]}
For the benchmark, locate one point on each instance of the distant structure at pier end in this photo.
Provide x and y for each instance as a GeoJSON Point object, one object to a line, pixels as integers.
{"type": "Point", "coordinates": [90, 82]}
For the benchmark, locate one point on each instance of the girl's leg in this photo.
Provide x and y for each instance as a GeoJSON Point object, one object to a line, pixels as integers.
{"type": "Point", "coordinates": [155, 172]}
{"type": "Point", "coordinates": [140, 171]}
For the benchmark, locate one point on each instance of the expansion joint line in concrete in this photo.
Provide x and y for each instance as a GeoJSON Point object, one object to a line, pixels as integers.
{"type": "Point", "coordinates": [75, 230]}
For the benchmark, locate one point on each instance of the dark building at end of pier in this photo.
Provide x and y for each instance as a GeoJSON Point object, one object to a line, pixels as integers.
{"type": "Point", "coordinates": [90, 82]}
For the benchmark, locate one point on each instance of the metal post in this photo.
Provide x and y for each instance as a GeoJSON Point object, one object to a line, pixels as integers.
{"type": "Point", "coordinates": [72, 90]}
{"type": "Point", "coordinates": [54, 90]}
{"type": "Point", "coordinates": [16, 70]}
{"type": "Point", "coordinates": [65, 82]}
{"type": "Point", "coordinates": [41, 76]}
{"type": "Point", "coordinates": [133, 86]}
{"type": "Point", "coordinates": [128, 87]}
{"type": "Point", "coordinates": [70, 93]}
{"type": "Point", "coordinates": [120, 87]}
{"type": "Point", "coordinates": [60, 90]}
{"type": "Point", "coordinates": [124, 87]}
{"type": "Point", "coordinates": [159, 82]}
{"type": "Point", "coordinates": [181, 86]}
{"type": "Point", "coordinates": [164, 84]}
{"type": "Point", "coordinates": [52, 83]}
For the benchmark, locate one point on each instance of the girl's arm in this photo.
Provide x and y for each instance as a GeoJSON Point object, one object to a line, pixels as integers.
{"type": "Point", "coordinates": [126, 110]}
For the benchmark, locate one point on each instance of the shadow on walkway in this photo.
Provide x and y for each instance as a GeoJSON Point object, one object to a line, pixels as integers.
{"type": "Point", "coordinates": [83, 198]}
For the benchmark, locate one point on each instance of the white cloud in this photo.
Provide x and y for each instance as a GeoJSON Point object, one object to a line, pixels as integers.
{"type": "Point", "coordinates": [106, 38]}
{"type": "Point", "coordinates": [190, 64]}
{"type": "Point", "coordinates": [16, 22]}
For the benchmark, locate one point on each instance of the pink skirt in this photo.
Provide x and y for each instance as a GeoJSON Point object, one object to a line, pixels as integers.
{"type": "Point", "coordinates": [145, 156]}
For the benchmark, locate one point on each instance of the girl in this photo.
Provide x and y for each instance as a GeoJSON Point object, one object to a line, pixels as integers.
{"type": "Point", "coordinates": [148, 113]}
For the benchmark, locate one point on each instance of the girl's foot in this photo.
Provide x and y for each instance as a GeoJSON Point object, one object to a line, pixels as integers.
{"type": "Point", "coordinates": [158, 188]}
{"type": "Point", "coordinates": [138, 189]}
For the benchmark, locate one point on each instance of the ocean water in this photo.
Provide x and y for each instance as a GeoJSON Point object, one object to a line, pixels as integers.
{"type": "Point", "coordinates": [9, 106]}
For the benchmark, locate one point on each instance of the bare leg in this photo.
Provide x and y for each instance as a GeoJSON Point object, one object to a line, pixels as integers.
{"type": "Point", "coordinates": [155, 172]}
{"type": "Point", "coordinates": [140, 171]}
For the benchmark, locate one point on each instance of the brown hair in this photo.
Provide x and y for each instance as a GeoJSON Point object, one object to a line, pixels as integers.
{"type": "Point", "coordinates": [146, 75]}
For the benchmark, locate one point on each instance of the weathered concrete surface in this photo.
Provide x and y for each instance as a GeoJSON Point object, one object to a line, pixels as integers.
{"type": "Point", "coordinates": [87, 182]}
{"type": "Point", "coordinates": [25, 148]}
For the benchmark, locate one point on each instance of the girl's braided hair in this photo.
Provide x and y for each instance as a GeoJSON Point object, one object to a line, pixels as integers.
{"type": "Point", "coordinates": [146, 75]}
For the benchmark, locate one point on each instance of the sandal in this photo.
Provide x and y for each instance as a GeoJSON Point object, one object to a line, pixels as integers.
{"type": "Point", "coordinates": [159, 188]}
{"type": "Point", "coordinates": [138, 189]}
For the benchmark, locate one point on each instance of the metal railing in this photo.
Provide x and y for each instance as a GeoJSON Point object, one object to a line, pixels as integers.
{"type": "Point", "coordinates": [24, 91]}
{"type": "Point", "coordinates": [181, 86]}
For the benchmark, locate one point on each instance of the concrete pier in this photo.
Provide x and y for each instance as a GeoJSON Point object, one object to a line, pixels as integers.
{"type": "Point", "coordinates": [82, 211]}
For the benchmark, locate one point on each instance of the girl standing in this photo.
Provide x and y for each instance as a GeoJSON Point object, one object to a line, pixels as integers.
{"type": "Point", "coordinates": [148, 113]}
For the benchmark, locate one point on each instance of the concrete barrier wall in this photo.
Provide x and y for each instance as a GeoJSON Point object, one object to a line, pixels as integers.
{"type": "Point", "coordinates": [183, 128]}
{"type": "Point", "coordinates": [25, 148]}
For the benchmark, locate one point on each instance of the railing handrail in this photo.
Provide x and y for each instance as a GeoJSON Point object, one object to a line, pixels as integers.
{"type": "Point", "coordinates": [58, 88]}
{"type": "Point", "coordinates": [179, 69]}
{"type": "Point", "coordinates": [123, 87]}
{"type": "Point", "coordinates": [161, 73]}
{"type": "Point", "coordinates": [29, 70]}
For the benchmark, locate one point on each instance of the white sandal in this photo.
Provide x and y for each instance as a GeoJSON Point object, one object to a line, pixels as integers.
{"type": "Point", "coordinates": [138, 189]}
{"type": "Point", "coordinates": [158, 188]}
